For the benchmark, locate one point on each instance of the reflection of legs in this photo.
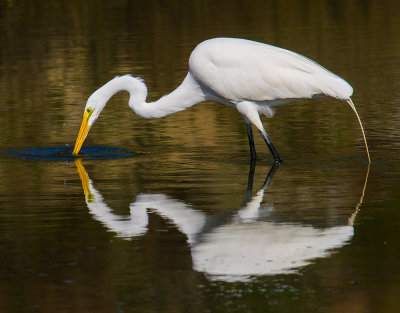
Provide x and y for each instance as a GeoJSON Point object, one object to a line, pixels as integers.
{"type": "Point", "coordinates": [271, 173]}
{"type": "Point", "coordinates": [250, 180]}
{"type": "Point", "coordinates": [268, 179]}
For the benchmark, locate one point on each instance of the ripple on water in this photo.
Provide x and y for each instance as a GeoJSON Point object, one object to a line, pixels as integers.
{"type": "Point", "coordinates": [65, 153]}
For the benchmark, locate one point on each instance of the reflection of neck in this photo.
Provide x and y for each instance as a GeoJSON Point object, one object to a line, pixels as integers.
{"type": "Point", "coordinates": [189, 221]}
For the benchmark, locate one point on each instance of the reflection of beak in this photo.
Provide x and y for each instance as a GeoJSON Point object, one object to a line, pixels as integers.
{"type": "Point", "coordinates": [84, 178]}
{"type": "Point", "coordinates": [82, 132]}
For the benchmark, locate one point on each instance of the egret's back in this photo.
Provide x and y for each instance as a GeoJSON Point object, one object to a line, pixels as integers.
{"type": "Point", "coordinates": [238, 69]}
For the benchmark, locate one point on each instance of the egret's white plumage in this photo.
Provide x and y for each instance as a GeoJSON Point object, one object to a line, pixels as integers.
{"type": "Point", "coordinates": [252, 77]}
{"type": "Point", "coordinates": [237, 70]}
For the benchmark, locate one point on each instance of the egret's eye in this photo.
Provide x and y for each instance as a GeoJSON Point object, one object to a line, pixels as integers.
{"type": "Point", "coordinates": [89, 112]}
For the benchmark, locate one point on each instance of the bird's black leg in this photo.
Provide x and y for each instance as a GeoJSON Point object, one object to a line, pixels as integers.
{"type": "Point", "coordinates": [271, 147]}
{"type": "Point", "coordinates": [253, 154]}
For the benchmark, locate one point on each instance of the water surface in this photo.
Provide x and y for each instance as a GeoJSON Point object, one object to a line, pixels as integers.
{"type": "Point", "coordinates": [188, 224]}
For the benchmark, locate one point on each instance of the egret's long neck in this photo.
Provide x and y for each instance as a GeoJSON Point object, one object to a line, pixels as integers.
{"type": "Point", "coordinates": [187, 94]}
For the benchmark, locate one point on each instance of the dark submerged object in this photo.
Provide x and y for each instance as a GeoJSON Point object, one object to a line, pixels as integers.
{"type": "Point", "coordinates": [65, 153]}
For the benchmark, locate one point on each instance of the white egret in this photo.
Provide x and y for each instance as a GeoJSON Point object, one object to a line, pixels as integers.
{"type": "Point", "coordinates": [250, 76]}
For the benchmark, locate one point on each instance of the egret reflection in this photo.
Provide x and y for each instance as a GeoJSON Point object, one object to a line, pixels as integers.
{"type": "Point", "coordinates": [234, 249]}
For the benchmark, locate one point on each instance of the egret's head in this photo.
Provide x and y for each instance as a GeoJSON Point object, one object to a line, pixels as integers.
{"type": "Point", "coordinates": [99, 98]}
{"type": "Point", "coordinates": [92, 111]}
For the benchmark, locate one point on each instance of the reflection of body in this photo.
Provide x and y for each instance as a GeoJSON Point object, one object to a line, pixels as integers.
{"type": "Point", "coordinates": [242, 246]}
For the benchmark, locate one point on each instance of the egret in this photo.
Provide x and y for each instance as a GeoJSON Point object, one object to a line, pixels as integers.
{"type": "Point", "coordinates": [250, 76]}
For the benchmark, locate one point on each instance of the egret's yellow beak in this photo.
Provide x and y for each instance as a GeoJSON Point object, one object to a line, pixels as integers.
{"type": "Point", "coordinates": [83, 131]}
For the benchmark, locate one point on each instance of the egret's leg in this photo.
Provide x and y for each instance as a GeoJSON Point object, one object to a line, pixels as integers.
{"type": "Point", "coordinates": [271, 147]}
{"type": "Point", "coordinates": [253, 154]}
{"type": "Point", "coordinates": [250, 113]}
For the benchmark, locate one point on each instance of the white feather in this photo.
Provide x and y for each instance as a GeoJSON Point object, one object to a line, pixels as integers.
{"type": "Point", "coordinates": [238, 69]}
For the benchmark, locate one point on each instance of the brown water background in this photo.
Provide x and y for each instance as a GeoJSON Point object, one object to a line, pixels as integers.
{"type": "Point", "coordinates": [58, 256]}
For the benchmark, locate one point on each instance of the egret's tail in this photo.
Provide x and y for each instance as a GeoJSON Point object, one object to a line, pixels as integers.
{"type": "Point", "coordinates": [350, 102]}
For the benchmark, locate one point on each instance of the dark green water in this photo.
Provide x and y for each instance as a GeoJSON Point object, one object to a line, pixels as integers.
{"type": "Point", "coordinates": [185, 225]}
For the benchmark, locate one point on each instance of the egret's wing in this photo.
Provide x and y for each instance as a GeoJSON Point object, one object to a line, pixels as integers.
{"type": "Point", "coordinates": [238, 69]}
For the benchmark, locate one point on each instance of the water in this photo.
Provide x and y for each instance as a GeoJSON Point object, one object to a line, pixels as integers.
{"type": "Point", "coordinates": [187, 224]}
{"type": "Point", "coordinates": [65, 153]}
